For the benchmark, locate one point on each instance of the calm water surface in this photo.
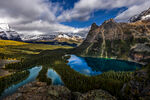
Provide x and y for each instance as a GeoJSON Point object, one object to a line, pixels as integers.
{"type": "Point", "coordinates": [56, 79]}
{"type": "Point", "coordinates": [95, 66]}
{"type": "Point", "coordinates": [32, 77]}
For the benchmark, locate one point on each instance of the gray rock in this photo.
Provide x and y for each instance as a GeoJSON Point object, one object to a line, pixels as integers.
{"type": "Point", "coordinates": [40, 91]}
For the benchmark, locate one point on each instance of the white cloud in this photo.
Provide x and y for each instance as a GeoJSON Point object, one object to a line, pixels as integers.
{"type": "Point", "coordinates": [43, 16]}
{"type": "Point", "coordinates": [82, 9]}
{"type": "Point", "coordinates": [33, 16]}
{"type": "Point", "coordinates": [133, 10]}
{"type": "Point", "coordinates": [28, 10]}
{"type": "Point", "coordinates": [40, 27]}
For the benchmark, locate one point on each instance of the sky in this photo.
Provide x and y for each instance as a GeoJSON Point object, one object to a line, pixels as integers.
{"type": "Point", "coordinates": [75, 16]}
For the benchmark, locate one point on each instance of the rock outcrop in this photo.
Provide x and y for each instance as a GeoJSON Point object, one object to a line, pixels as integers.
{"type": "Point", "coordinates": [138, 88]}
{"type": "Point", "coordinates": [40, 91]}
{"type": "Point", "coordinates": [93, 95]}
{"type": "Point", "coordinates": [140, 53]}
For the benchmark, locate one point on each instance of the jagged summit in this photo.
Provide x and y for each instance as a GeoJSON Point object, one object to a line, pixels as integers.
{"type": "Point", "coordinates": [94, 26]}
{"type": "Point", "coordinates": [109, 21]}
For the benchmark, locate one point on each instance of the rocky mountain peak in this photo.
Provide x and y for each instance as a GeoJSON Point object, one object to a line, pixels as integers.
{"type": "Point", "coordinates": [94, 26]}
{"type": "Point", "coordinates": [109, 24]}
{"type": "Point", "coordinates": [109, 21]}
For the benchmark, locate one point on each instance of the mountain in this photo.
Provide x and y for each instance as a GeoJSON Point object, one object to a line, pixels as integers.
{"type": "Point", "coordinates": [127, 41]}
{"type": "Point", "coordinates": [66, 37]}
{"type": "Point", "coordinates": [7, 33]}
{"type": "Point", "coordinates": [145, 15]}
{"type": "Point", "coordinates": [44, 37]}
{"type": "Point", "coordinates": [60, 37]}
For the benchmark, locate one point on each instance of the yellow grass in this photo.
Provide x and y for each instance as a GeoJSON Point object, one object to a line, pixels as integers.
{"type": "Point", "coordinates": [17, 49]}
{"type": "Point", "coordinates": [10, 42]}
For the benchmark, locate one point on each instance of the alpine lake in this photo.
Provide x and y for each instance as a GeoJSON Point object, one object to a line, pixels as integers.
{"type": "Point", "coordinates": [84, 72]}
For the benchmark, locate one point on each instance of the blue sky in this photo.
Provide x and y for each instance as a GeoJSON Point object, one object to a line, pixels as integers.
{"type": "Point", "coordinates": [98, 16]}
{"type": "Point", "coordinates": [34, 17]}
{"type": "Point", "coordinates": [67, 4]}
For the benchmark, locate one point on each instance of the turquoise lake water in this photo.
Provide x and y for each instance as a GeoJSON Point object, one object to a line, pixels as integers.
{"type": "Point", "coordinates": [32, 77]}
{"type": "Point", "coordinates": [95, 66]}
{"type": "Point", "coordinates": [52, 74]}
{"type": "Point", "coordinates": [84, 65]}
{"type": "Point", "coordinates": [56, 79]}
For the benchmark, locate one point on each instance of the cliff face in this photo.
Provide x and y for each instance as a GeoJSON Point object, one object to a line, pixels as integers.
{"type": "Point", "coordinates": [116, 40]}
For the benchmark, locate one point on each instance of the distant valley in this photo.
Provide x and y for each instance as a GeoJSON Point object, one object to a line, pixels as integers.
{"type": "Point", "coordinates": [70, 39]}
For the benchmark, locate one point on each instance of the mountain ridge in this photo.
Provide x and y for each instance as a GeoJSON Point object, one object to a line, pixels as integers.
{"type": "Point", "coordinates": [118, 40]}
{"type": "Point", "coordinates": [145, 15]}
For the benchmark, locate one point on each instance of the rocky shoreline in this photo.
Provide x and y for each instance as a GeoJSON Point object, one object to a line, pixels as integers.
{"type": "Point", "coordinates": [40, 91]}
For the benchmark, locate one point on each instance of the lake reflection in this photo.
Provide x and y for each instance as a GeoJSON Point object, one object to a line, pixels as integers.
{"type": "Point", "coordinates": [56, 79]}
{"type": "Point", "coordinates": [95, 66]}
{"type": "Point", "coordinates": [32, 77]}
{"type": "Point", "coordinates": [80, 65]}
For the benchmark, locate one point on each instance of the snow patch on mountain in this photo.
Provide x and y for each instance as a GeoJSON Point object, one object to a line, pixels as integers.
{"type": "Point", "coordinates": [37, 37]}
{"type": "Point", "coordinates": [63, 36]}
{"type": "Point", "coordinates": [146, 17]}
{"type": "Point", "coordinates": [7, 33]}
{"type": "Point", "coordinates": [4, 27]}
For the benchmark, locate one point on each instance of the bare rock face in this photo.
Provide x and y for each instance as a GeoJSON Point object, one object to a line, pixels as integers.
{"type": "Point", "coordinates": [141, 53]}
{"type": "Point", "coordinates": [95, 95]}
{"type": "Point", "coordinates": [94, 26]}
{"type": "Point", "coordinates": [40, 91]}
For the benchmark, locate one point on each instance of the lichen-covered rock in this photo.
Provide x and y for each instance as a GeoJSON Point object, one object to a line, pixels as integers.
{"type": "Point", "coordinates": [140, 53]}
{"type": "Point", "coordinates": [96, 95]}
{"type": "Point", "coordinates": [138, 88]}
{"type": "Point", "coordinates": [40, 91]}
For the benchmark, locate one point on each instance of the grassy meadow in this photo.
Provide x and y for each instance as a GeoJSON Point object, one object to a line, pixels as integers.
{"type": "Point", "coordinates": [16, 50]}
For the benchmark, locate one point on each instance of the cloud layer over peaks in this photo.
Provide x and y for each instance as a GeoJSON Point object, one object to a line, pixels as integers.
{"type": "Point", "coordinates": [84, 8]}
{"type": "Point", "coordinates": [45, 16]}
{"type": "Point", "coordinates": [33, 16]}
